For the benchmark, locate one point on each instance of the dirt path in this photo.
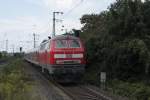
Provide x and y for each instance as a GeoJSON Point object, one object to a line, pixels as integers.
{"type": "Point", "coordinates": [42, 88]}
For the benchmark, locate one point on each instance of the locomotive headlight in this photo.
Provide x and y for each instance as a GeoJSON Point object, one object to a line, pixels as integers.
{"type": "Point", "coordinates": [68, 56]}
{"type": "Point", "coordinates": [59, 56]}
{"type": "Point", "coordinates": [77, 55]}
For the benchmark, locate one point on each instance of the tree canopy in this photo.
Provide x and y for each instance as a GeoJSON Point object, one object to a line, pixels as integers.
{"type": "Point", "coordinates": [119, 39]}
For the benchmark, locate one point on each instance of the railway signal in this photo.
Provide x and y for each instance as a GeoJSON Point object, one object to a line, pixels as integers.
{"type": "Point", "coordinates": [20, 49]}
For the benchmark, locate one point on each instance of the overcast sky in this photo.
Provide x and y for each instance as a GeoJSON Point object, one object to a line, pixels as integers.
{"type": "Point", "coordinates": [19, 19]}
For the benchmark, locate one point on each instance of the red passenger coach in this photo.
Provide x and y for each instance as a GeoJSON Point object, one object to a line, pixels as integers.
{"type": "Point", "coordinates": [62, 56]}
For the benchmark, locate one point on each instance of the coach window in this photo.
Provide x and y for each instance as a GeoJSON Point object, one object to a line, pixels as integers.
{"type": "Point", "coordinates": [41, 47]}
{"type": "Point", "coordinates": [44, 46]}
{"type": "Point", "coordinates": [47, 46]}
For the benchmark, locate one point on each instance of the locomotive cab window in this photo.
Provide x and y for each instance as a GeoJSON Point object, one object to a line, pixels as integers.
{"type": "Point", "coordinates": [61, 44]}
{"type": "Point", "coordinates": [67, 44]}
{"type": "Point", "coordinates": [74, 44]}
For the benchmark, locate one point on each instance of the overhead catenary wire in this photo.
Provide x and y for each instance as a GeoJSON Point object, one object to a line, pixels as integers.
{"type": "Point", "coordinates": [72, 9]}
{"type": "Point", "coordinates": [68, 12]}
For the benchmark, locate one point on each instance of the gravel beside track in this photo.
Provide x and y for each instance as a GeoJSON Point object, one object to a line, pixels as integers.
{"type": "Point", "coordinates": [43, 88]}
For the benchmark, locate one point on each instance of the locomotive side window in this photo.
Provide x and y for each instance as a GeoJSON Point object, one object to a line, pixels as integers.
{"type": "Point", "coordinates": [61, 44]}
{"type": "Point", "coordinates": [74, 44]}
{"type": "Point", "coordinates": [49, 45]}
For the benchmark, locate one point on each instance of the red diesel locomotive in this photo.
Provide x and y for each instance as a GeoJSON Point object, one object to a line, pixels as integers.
{"type": "Point", "coordinates": [62, 56]}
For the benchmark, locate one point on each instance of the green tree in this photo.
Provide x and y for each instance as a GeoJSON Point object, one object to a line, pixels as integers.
{"type": "Point", "coordinates": [118, 39]}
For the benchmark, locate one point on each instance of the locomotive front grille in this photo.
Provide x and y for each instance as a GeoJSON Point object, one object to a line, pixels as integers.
{"type": "Point", "coordinates": [68, 61]}
{"type": "Point", "coordinates": [64, 69]}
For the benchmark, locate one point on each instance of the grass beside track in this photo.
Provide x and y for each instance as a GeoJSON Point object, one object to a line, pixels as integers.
{"type": "Point", "coordinates": [134, 90]}
{"type": "Point", "coordinates": [14, 84]}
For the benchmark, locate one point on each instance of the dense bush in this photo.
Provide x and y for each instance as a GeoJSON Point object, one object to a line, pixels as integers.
{"type": "Point", "coordinates": [14, 84]}
{"type": "Point", "coordinates": [135, 91]}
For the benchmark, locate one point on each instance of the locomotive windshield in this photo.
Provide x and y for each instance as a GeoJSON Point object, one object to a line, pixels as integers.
{"type": "Point", "coordinates": [67, 44]}
{"type": "Point", "coordinates": [74, 44]}
{"type": "Point", "coordinates": [61, 44]}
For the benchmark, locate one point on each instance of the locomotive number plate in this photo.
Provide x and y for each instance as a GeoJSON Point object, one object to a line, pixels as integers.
{"type": "Point", "coordinates": [68, 55]}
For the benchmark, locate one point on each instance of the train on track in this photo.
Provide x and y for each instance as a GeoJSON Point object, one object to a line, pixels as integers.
{"type": "Point", "coordinates": [62, 56]}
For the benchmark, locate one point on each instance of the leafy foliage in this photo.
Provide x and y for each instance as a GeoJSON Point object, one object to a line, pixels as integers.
{"type": "Point", "coordinates": [118, 40]}
{"type": "Point", "coordinates": [135, 91]}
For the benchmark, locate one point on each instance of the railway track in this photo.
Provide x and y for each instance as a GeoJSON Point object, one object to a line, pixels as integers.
{"type": "Point", "coordinates": [76, 91]}
{"type": "Point", "coordinates": [80, 92]}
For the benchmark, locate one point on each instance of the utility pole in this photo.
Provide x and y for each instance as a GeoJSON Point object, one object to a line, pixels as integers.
{"type": "Point", "coordinates": [13, 47]}
{"type": "Point", "coordinates": [53, 34]}
{"type": "Point", "coordinates": [54, 22]}
{"type": "Point", "coordinates": [34, 40]}
{"type": "Point", "coordinates": [6, 45]}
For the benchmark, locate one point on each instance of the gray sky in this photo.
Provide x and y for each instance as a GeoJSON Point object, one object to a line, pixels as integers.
{"type": "Point", "coordinates": [19, 19]}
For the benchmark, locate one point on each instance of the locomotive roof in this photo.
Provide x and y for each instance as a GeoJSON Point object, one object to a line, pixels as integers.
{"type": "Point", "coordinates": [64, 37]}
{"type": "Point", "coordinates": [60, 37]}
